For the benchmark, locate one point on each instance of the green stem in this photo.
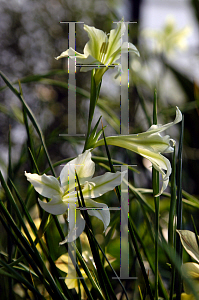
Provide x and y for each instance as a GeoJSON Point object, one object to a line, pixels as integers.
{"type": "Point", "coordinates": [155, 175]}
{"type": "Point", "coordinates": [139, 257]}
{"type": "Point", "coordinates": [9, 207]}
{"type": "Point", "coordinates": [178, 281]}
{"type": "Point", "coordinates": [94, 95]}
{"type": "Point", "coordinates": [103, 277]}
{"type": "Point", "coordinates": [155, 179]}
{"type": "Point", "coordinates": [171, 227]}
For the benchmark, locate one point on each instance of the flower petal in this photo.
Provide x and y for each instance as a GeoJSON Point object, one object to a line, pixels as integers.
{"type": "Point", "coordinates": [159, 128]}
{"type": "Point", "coordinates": [80, 59]}
{"type": "Point", "coordinates": [45, 185]}
{"type": "Point", "coordinates": [126, 48]}
{"type": "Point", "coordinates": [84, 167]}
{"type": "Point", "coordinates": [185, 296]}
{"type": "Point", "coordinates": [103, 213]}
{"type": "Point", "coordinates": [114, 41]}
{"type": "Point", "coordinates": [146, 150]}
{"type": "Point", "coordinates": [189, 243]}
{"type": "Point", "coordinates": [148, 144]}
{"type": "Point", "coordinates": [160, 163]}
{"type": "Point", "coordinates": [94, 47]}
{"type": "Point", "coordinates": [102, 184]}
{"type": "Point", "coordinates": [56, 206]}
{"type": "Point", "coordinates": [129, 47]}
{"type": "Point", "coordinates": [76, 225]}
{"type": "Point", "coordinates": [191, 271]}
{"type": "Point", "coordinates": [150, 139]}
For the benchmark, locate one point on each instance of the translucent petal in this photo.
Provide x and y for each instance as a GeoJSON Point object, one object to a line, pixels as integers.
{"type": "Point", "coordinates": [102, 214]}
{"type": "Point", "coordinates": [149, 144]}
{"type": "Point", "coordinates": [126, 48]}
{"type": "Point", "coordinates": [114, 40]}
{"type": "Point", "coordinates": [94, 46]}
{"type": "Point", "coordinates": [56, 206]}
{"type": "Point", "coordinates": [84, 167]}
{"type": "Point", "coordinates": [45, 185]}
{"type": "Point", "coordinates": [159, 128]}
{"type": "Point", "coordinates": [76, 225]}
{"type": "Point", "coordinates": [189, 243]}
{"type": "Point", "coordinates": [80, 58]}
{"type": "Point", "coordinates": [129, 47]}
{"type": "Point", "coordinates": [102, 184]}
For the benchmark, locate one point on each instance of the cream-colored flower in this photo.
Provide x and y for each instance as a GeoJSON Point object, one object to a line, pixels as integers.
{"type": "Point", "coordinates": [169, 38]}
{"type": "Point", "coordinates": [149, 144]}
{"type": "Point", "coordinates": [190, 270]}
{"type": "Point", "coordinates": [101, 51]}
{"type": "Point", "coordinates": [64, 194]}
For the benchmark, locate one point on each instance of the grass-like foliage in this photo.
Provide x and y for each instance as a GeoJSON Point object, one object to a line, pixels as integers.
{"type": "Point", "coordinates": [56, 241]}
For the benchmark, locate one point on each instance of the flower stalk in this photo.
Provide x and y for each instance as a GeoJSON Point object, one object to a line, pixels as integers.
{"type": "Point", "coordinates": [155, 180]}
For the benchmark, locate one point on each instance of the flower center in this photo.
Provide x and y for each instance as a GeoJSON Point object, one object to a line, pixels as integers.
{"type": "Point", "coordinates": [74, 189]}
{"type": "Point", "coordinates": [77, 188]}
{"type": "Point", "coordinates": [103, 51]}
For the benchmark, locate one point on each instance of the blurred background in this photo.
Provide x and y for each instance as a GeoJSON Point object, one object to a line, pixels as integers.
{"type": "Point", "coordinates": [166, 35]}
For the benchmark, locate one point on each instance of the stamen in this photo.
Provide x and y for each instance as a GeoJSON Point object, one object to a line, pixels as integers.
{"type": "Point", "coordinates": [77, 188]}
{"type": "Point", "coordinates": [103, 50]}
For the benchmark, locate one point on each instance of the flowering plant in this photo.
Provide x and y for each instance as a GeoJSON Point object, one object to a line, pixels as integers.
{"type": "Point", "coordinates": [63, 253]}
{"type": "Point", "coordinates": [64, 195]}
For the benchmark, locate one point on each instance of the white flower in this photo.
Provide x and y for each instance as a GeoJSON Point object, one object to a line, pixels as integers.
{"type": "Point", "coordinates": [101, 50]}
{"type": "Point", "coordinates": [190, 270]}
{"type": "Point", "coordinates": [169, 38]}
{"type": "Point", "coordinates": [149, 144]}
{"type": "Point", "coordinates": [64, 193]}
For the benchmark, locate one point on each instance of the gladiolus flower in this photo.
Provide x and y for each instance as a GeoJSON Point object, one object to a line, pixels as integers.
{"type": "Point", "coordinates": [102, 50]}
{"type": "Point", "coordinates": [149, 144]}
{"type": "Point", "coordinates": [63, 194]}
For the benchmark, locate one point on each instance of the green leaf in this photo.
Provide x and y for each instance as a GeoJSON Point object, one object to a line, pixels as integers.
{"type": "Point", "coordinates": [14, 274]}
{"type": "Point", "coordinates": [31, 116]}
{"type": "Point", "coordinates": [94, 136]}
{"type": "Point", "coordinates": [94, 95]}
{"type": "Point", "coordinates": [140, 260]}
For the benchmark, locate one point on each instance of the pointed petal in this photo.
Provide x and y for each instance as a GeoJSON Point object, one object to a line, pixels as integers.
{"type": "Point", "coordinates": [102, 184]}
{"type": "Point", "coordinates": [149, 144]}
{"type": "Point", "coordinates": [45, 185]}
{"type": "Point", "coordinates": [153, 142]}
{"type": "Point", "coordinates": [150, 139]}
{"type": "Point", "coordinates": [126, 48]}
{"type": "Point", "coordinates": [95, 44]}
{"type": "Point", "coordinates": [84, 167]}
{"type": "Point", "coordinates": [189, 243]}
{"type": "Point", "coordinates": [72, 54]}
{"type": "Point", "coordinates": [103, 214]}
{"type": "Point", "coordinates": [76, 225]}
{"type": "Point", "coordinates": [55, 207]}
{"type": "Point", "coordinates": [114, 41]}
{"type": "Point", "coordinates": [129, 47]}
{"type": "Point", "coordinates": [79, 58]}
{"type": "Point", "coordinates": [159, 128]}
{"type": "Point", "coordinates": [144, 149]}
{"type": "Point", "coordinates": [160, 163]}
